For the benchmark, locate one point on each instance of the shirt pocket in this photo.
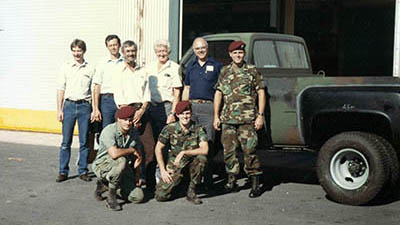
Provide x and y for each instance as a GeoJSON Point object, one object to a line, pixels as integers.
{"type": "Point", "coordinates": [245, 86]}
{"type": "Point", "coordinates": [85, 80]}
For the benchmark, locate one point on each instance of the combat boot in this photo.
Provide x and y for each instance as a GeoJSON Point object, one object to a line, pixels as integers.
{"type": "Point", "coordinates": [255, 187]}
{"type": "Point", "coordinates": [111, 201]}
{"type": "Point", "coordinates": [231, 185]}
{"type": "Point", "coordinates": [100, 189]}
{"type": "Point", "coordinates": [192, 197]}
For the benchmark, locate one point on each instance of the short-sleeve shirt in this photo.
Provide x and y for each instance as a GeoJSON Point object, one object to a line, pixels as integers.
{"type": "Point", "coordinates": [75, 80]}
{"type": "Point", "coordinates": [202, 79]}
{"type": "Point", "coordinates": [131, 86]}
{"type": "Point", "coordinates": [105, 72]}
{"type": "Point", "coordinates": [174, 135]}
{"type": "Point", "coordinates": [239, 91]}
{"type": "Point", "coordinates": [161, 83]}
{"type": "Point", "coordinates": [112, 135]}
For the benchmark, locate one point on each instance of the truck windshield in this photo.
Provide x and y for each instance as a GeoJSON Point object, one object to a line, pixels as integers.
{"type": "Point", "coordinates": [279, 54]}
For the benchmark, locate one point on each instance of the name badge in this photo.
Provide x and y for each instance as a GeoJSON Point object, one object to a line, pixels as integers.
{"type": "Point", "coordinates": [209, 68]}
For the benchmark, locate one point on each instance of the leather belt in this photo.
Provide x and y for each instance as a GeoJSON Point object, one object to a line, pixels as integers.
{"type": "Point", "coordinates": [200, 101]}
{"type": "Point", "coordinates": [136, 105]}
{"type": "Point", "coordinates": [108, 94]}
{"type": "Point", "coordinates": [159, 103]}
{"type": "Point", "coordinates": [77, 101]}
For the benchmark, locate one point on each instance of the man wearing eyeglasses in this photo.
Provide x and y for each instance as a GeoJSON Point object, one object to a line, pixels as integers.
{"type": "Point", "coordinates": [201, 77]}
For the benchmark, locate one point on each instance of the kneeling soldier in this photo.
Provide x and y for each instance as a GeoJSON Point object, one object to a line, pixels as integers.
{"type": "Point", "coordinates": [189, 148]}
{"type": "Point", "coordinates": [118, 159]}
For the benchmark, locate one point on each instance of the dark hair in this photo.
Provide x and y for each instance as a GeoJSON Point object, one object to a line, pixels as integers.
{"type": "Point", "coordinates": [78, 43]}
{"type": "Point", "coordinates": [129, 43]}
{"type": "Point", "coordinates": [112, 36]}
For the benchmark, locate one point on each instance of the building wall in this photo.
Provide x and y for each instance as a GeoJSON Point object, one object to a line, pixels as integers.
{"type": "Point", "coordinates": [34, 40]}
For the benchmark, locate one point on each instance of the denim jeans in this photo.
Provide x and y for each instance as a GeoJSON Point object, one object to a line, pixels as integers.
{"type": "Point", "coordinates": [72, 112]}
{"type": "Point", "coordinates": [158, 114]}
{"type": "Point", "coordinates": [158, 117]}
{"type": "Point", "coordinates": [107, 109]}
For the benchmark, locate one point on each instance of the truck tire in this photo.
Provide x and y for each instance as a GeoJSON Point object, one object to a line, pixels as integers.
{"type": "Point", "coordinates": [352, 167]}
{"type": "Point", "coordinates": [393, 183]}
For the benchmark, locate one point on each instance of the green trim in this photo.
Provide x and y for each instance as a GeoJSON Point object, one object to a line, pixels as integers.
{"type": "Point", "coordinates": [173, 36]}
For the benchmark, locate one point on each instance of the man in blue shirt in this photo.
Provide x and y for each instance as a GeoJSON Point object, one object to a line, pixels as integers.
{"type": "Point", "coordinates": [201, 77]}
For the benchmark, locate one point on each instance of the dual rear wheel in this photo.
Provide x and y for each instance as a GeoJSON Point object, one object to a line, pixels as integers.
{"type": "Point", "coordinates": [356, 167]}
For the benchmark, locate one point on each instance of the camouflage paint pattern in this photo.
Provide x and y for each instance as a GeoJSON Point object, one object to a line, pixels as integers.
{"type": "Point", "coordinates": [245, 135]}
{"type": "Point", "coordinates": [239, 91]}
{"type": "Point", "coordinates": [180, 140]}
{"type": "Point", "coordinates": [195, 164]}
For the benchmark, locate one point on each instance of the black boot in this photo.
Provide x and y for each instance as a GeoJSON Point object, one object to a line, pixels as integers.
{"type": "Point", "coordinates": [112, 200]}
{"type": "Point", "coordinates": [255, 187]}
{"type": "Point", "coordinates": [192, 197]}
{"type": "Point", "coordinates": [100, 189]}
{"type": "Point", "coordinates": [231, 185]}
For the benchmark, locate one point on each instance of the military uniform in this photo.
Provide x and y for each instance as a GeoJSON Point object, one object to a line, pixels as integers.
{"type": "Point", "coordinates": [239, 91]}
{"type": "Point", "coordinates": [174, 135]}
{"type": "Point", "coordinates": [106, 168]}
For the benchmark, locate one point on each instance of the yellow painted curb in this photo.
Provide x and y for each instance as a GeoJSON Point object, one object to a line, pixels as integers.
{"type": "Point", "coordinates": [30, 120]}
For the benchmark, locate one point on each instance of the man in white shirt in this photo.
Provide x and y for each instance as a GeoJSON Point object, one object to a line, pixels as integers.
{"type": "Point", "coordinates": [74, 103]}
{"type": "Point", "coordinates": [131, 87]}
{"type": "Point", "coordinates": [103, 101]}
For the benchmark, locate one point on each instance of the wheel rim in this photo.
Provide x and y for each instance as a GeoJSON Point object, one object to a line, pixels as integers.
{"type": "Point", "coordinates": [349, 169]}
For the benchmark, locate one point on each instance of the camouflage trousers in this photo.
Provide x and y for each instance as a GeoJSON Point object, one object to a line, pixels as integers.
{"type": "Point", "coordinates": [195, 164]}
{"type": "Point", "coordinates": [120, 175]}
{"type": "Point", "coordinates": [246, 135]}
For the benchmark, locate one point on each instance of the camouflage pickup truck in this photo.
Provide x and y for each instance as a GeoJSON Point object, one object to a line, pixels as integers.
{"type": "Point", "coordinates": [352, 122]}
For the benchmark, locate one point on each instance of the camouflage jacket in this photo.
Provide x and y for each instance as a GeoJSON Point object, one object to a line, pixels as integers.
{"type": "Point", "coordinates": [174, 135]}
{"type": "Point", "coordinates": [239, 91]}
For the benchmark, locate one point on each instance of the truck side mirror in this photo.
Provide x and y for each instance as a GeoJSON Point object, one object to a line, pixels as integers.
{"type": "Point", "coordinates": [321, 73]}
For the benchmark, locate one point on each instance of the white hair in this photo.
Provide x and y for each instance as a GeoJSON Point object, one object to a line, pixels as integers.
{"type": "Point", "coordinates": [162, 43]}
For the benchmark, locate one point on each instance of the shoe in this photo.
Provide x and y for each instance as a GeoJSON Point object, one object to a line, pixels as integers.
{"type": "Point", "coordinates": [192, 197]}
{"type": "Point", "coordinates": [85, 177]}
{"type": "Point", "coordinates": [111, 201]}
{"type": "Point", "coordinates": [100, 189]}
{"type": "Point", "coordinates": [231, 185]}
{"type": "Point", "coordinates": [61, 178]}
{"type": "Point", "coordinates": [255, 187]}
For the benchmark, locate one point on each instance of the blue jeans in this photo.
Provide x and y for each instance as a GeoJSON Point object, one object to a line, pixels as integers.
{"type": "Point", "coordinates": [158, 117]}
{"type": "Point", "coordinates": [72, 112]}
{"type": "Point", "coordinates": [107, 109]}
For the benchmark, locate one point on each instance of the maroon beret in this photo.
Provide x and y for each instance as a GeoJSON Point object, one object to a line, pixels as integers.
{"type": "Point", "coordinates": [236, 45]}
{"type": "Point", "coordinates": [125, 112]}
{"type": "Point", "coordinates": [183, 106]}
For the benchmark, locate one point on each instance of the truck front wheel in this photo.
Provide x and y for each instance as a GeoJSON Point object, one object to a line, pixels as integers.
{"type": "Point", "coordinates": [352, 167]}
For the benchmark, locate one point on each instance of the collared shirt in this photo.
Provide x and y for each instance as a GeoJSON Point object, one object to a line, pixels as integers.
{"type": "Point", "coordinates": [161, 83]}
{"type": "Point", "coordinates": [181, 140]}
{"type": "Point", "coordinates": [202, 79]}
{"type": "Point", "coordinates": [131, 86]}
{"type": "Point", "coordinates": [105, 71]}
{"type": "Point", "coordinates": [112, 135]}
{"type": "Point", "coordinates": [239, 91]}
{"type": "Point", "coordinates": [75, 79]}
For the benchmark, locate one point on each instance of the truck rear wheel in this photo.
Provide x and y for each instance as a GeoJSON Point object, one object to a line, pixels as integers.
{"type": "Point", "coordinates": [393, 183]}
{"type": "Point", "coordinates": [353, 167]}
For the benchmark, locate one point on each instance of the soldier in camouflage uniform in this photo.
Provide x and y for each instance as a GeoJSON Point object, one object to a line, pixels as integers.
{"type": "Point", "coordinates": [118, 160]}
{"type": "Point", "coordinates": [238, 86]}
{"type": "Point", "coordinates": [189, 149]}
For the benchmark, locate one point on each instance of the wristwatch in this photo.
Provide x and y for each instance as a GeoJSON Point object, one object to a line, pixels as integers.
{"type": "Point", "coordinates": [260, 114]}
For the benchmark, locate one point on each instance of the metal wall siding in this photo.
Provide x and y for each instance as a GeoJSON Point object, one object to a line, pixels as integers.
{"type": "Point", "coordinates": [35, 37]}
